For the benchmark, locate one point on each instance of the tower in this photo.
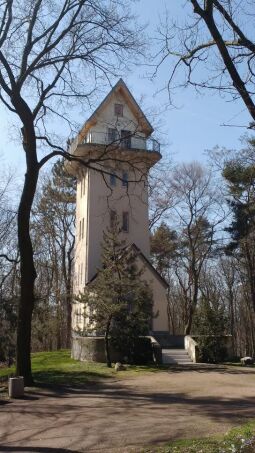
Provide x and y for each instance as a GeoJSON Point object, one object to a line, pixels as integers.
{"type": "Point", "coordinates": [114, 153]}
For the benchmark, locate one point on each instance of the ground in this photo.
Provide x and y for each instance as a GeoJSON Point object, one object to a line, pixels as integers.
{"type": "Point", "coordinates": [122, 414]}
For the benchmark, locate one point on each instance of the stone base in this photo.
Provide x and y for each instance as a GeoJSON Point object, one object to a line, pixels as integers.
{"type": "Point", "coordinates": [91, 349]}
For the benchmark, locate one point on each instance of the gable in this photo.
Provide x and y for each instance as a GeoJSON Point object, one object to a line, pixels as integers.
{"type": "Point", "coordinates": [132, 113]}
{"type": "Point", "coordinates": [148, 266]}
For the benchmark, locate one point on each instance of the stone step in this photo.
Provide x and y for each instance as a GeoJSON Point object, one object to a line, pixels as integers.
{"type": "Point", "coordinates": [177, 356]}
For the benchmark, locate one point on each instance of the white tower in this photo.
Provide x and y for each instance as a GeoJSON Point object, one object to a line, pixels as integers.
{"type": "Point", "coordinates": [115, 145]}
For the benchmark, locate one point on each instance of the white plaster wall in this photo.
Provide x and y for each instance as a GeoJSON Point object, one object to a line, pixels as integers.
{"type": "Point", "coordinates": [160, 322]}
{"type": "Point", "coordinates": [102, 200]}
{"type": "Point", "coordinates": [107, 118]}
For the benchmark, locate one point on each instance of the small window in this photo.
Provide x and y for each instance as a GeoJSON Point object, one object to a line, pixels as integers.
{"type": "Point", "coordinates": [118, 109]}
{"type": "Point", "coordinates": [113, 219]}
{"type": "Point", "coordinates": [81, 273]}
{"type": "Point", "coordinates": [125, 179]}
{"type": "Point", "coordinates": [125, 222]}
{"type": "Point", "coordinates": [125, 136]}
{"type": "Point", "coordinates": [112, 135]}
{"type": "Point", "coordinates": [82, 232]}
{"type": "Point", "coordinates": [79, 315]}
{"type": "Point", "coordinates": [113, 179]}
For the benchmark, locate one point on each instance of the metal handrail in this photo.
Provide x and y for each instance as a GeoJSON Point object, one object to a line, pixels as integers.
{"type": "Point", "coordinates": [129, 141]}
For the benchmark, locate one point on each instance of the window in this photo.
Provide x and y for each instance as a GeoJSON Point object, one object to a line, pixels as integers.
{"type": "Point", "coordinates": [78, 279]}
{"type": "Point", "coordinates": [81, 273]}
{"type": "Point", "coordinates": [125, 139]}
{"type": "Point", "coordinates": [82, 232]}
{"type": "Point", "coordinates": [125, 179]}
{"type": "Point", "coordinates": [125, 222]}
{"type": "Point", "coordinates": [113, 179]}
{"type": "Point", "coordinates": [112, 135]}
{"type": "Point", "coordinates": [79, 315]}
{"type": "Point", "coordinates": [118, 109]}
{"type": "Point", "coordinates": [113, 219]}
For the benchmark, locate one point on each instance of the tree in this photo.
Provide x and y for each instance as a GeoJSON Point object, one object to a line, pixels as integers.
{"type": "Point", "coordinates": [64, 50]}
{"type": "Point", "coordinates": [199, 213]}
{"type": "Point", "coordinates": [164, 243]}
{"type": "Point", "coordinates": [118, 300]}
{"type": "Point", "coordinates": [213, 49]}
{"type": "Point", "coordinates": [211, 321]}
{"type": "Point", "coordinates": [55, 218]}
{"type": "Point", "coordinates": [8, 271]}
{"type": "Point", "coordinates": [240, 176]}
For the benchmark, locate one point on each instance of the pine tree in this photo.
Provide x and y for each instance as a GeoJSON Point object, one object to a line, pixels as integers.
{"type": "Point", "coordinates": [53, 231]}
{"type": "Point", "coordinates": [119, 301]}
{"type": "Point", "coordinates": [240, 176]}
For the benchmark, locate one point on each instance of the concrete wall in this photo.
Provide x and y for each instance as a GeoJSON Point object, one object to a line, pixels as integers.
{"type": "Point", "coordinates": [91, 349]}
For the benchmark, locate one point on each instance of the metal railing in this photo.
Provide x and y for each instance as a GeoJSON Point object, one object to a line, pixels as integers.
{"type": "Point", "coordinates": [128, 141]}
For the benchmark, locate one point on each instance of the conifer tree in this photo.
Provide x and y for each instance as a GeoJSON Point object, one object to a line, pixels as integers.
{"type": "Point", "coordinates": [119, 301]}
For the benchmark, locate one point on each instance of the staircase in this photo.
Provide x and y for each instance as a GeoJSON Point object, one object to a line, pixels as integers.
{"type": "Point", "coordinates": [176, 356]}
{"type": "Point", "coordinates": [173, 351]}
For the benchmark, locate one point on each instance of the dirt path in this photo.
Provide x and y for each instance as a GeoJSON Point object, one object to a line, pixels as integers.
{"type": "Point", "coordinates": [123, 415]}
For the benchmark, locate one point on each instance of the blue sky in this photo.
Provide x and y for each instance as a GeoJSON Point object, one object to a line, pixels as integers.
{"type": "Point", "coordinates": [187, 131]}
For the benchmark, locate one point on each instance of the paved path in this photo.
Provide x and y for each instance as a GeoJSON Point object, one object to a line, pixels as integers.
{"type": "Point", "coordinates": [123, 415]}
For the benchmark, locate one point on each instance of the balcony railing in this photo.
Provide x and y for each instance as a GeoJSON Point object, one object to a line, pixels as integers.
{"type": "Point", "coordinates": [127, 141]}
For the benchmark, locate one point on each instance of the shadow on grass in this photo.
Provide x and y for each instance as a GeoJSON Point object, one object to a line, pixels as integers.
{"type": "Point", "coordinates": [68, 378]}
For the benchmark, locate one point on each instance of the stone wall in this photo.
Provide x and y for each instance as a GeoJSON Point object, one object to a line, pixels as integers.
{"type": "Point", "coordinates": [192, 345]}
{"type": "Point", "coordinates": [91, 349]}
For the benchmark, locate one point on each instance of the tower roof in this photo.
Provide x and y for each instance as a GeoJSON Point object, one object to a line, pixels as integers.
{"type": "Point", "coordinates": [121, 88]}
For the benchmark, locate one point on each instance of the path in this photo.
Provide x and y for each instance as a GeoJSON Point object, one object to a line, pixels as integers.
{"type": "Point", "coordinates": [125, 414]}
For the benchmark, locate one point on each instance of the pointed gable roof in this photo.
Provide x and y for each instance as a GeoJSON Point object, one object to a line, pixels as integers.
{"type": "Point", "coordinates": [147, 263]}
{"type": "Point", "coordinates": [122, 89]}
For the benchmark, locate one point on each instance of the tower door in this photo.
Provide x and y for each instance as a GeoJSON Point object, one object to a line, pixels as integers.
{"type": "Point", "coordinates": [125, 138]}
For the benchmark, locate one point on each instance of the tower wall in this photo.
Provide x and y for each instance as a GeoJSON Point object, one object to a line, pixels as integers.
{"type": "Point", "coordinates": [93, 216]}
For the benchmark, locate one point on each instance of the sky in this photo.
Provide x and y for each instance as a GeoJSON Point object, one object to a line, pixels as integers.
{"type": "Point", "coordinates": [187, 130]}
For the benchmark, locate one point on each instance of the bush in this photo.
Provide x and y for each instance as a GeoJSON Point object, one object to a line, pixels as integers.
{"type": "Point", "coordinates": [211, 350]}
{"type": "Point", "coordinates": [142, 351]}
{"type": "Point", "coordinates": [137, 351]}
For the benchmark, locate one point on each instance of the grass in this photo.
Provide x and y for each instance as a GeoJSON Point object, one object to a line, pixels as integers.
{"type": "Point", "coordinates": [237, 440]}
{"type": "Point", "coordinates": [59, 369]}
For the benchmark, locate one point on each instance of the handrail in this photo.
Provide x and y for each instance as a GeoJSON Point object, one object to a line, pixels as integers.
{"type": "Point", "coordinates": [129, 141]}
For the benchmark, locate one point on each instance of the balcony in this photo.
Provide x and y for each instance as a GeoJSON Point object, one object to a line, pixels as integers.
{"type": "Point", "coordinates": [125, 140]}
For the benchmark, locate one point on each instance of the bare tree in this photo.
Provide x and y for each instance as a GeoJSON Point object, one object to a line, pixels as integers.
{"type": "Point", "coordinates": [213, 48]}
{"type": "Point", "coordinates": [53, 55]}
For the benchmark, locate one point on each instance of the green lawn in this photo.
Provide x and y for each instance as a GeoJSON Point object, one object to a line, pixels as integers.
{"type": "Point", "coordinates": [58, 368]}
{"type": "Point", "coordinates": [238, 440]}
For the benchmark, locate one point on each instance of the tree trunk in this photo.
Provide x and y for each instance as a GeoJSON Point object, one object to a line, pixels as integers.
{"type": "Point", "coordinates": [27, 278]}
{"type": "Point", "coordinates": [107, 346]}
{"type": "Point", "coordinates": [188, 323]}
{"type": "Point", "coordinates": [69, 296]}
{"type": "Point", "coordinates": [68, 318]}
{"type": "Point", "coordinates": [27, 268]}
